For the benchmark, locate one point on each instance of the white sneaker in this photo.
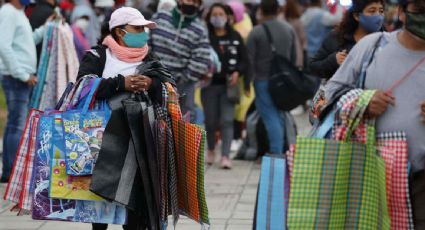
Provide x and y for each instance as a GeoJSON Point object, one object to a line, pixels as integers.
{"type": "Point", "coordinates": [236, 145]}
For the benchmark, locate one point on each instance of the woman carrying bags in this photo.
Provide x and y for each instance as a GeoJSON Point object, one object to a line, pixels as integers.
{"type": "Point", "coordinates": [119, 60]}
{"type": "Point", "coordinates": [220, 97]}
{"type": "Point", "coordinates": [364, 17]}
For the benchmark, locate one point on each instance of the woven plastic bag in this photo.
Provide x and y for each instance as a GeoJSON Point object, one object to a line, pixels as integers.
{"type": "Point", "coordinates": [339, 184]}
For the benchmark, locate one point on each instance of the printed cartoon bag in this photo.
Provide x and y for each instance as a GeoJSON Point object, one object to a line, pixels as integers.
{"type": "Point", "coordinates": [83, 132]}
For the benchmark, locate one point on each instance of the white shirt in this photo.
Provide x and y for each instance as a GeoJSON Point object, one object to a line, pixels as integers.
{"type": "Point", "coordinates": [114, 66]}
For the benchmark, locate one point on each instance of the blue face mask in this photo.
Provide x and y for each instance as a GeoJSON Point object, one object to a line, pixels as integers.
{"type": "Point", "coordinates": [135, 40]}
{"type": "Point", "coordinates": [25, 2]}
{"type": "Point", "coordinates": [371, 23]}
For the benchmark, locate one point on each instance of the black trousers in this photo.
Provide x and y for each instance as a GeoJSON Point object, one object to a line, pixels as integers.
{"type": "Point", "coordinates": [417, 196]}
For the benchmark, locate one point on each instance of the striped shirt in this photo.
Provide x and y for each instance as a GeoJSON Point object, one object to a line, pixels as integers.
{"type": "Point", "coordinates": [185, 51]}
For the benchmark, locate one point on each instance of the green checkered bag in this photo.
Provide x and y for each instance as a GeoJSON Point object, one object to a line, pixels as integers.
{"type": "Point", "coordinates": [339, 184]}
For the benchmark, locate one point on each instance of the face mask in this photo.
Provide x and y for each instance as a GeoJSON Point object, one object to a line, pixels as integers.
{"type": "Point", "coordinates": [25, 2]}
{"type": "Point", "coordinates": [188, 9]}
{"type": "Point", "coordinates": [82, 24]}
{"type": "Point", "coordinates": [415, 24]}
{"type": "Point", "coordinates": [135, 40]}
{"type": "Point", "coordinates": [371, 23]}
{"type": "Point", "coordinates": [218, 21]}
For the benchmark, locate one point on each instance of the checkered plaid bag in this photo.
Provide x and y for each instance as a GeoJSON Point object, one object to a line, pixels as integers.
{"type": "Point", "coordinates": [189, 142]}
{"type": "Point", "coordinates": [17, 190]}
{"type": "Point", "coordinates": [339, 184]}
{"type": "Point", "coordinates": [392, 147]}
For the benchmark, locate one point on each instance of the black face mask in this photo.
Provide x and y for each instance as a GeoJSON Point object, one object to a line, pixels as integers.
{"type": "Point", "coordinates": [188, 9]}
{"type": "Point", "coordinates": [415, 24]}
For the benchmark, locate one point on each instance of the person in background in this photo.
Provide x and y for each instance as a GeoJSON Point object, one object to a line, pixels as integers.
{"type": "Point", "coordinates": [243, 25]}
{"type": "Point", "coordinates": [79, 29]}
{"type": "Point", "coordinates": [317, 24]}
{"type": "Point", "coordinates": [166, 5]}
{"type": "Point", "coordinates": [260, 54]}
{"type": "Point", "coordinates": [18, 65]}
{"type": "Point", "coordinates": [402, 109]}
{"type": "Point", "coordinates": [83, 7]}
{"type": "Point", "coordinates": [242, 22]}
{"type": "Point", "coordinates": [181, 41]}
{"type": "Point", "coordinates": [40, 13]}
{"type": "Point", "coordinates": [292, 14]}
{"type": "Point", "coordinates": [219, 110]}
{"type": "Point", "coordinates": [364, 17]}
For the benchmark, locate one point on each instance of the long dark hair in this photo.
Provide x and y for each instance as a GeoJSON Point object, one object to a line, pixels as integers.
{"type": "Point", "coordinates": [291, 10]}
{"type": "Point", "coordinates": [349, 24]}
{"type": "Point", "coordinates": [104, 32]}
{"type": "Point", "coordinates": [229, 14]}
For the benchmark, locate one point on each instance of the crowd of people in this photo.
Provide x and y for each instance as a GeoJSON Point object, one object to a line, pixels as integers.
{"type": "Point", "coordinates": [221, 49]}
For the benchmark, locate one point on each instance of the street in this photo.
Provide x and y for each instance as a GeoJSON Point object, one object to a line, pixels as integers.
{"type": "Point", "coordinates": [230, 196]}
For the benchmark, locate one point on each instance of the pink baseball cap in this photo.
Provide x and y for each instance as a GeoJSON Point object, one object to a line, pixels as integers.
{"type": "Point", "coordinates": [129, 16]}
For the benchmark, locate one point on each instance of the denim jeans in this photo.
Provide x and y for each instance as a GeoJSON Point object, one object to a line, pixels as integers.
{"type": "Point", "coordinates": [17, 99]}
{"type": "Point", "coordinates": [219, 114]}
{"type": "Point", "coordinates": [270, 115]}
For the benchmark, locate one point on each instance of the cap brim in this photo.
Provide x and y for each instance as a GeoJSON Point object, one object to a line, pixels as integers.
{"type": "Point", "coordinates": [146, 23]}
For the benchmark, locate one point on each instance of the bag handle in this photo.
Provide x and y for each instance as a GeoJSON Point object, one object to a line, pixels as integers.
{"type": "Point", "coordinates": [90, 97]}
{"type": "Point", "coordinates": [362, 79]}
{"type": "Point", "coordinates": [357, 116]}
{"type": "Point", "coordinates": [269, 38]}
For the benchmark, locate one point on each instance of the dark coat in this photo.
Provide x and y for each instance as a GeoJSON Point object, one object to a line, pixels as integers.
{"type": "Point", "coordinates": [324, 64]}
{"type": "Point", "coordinates": [94, 63]}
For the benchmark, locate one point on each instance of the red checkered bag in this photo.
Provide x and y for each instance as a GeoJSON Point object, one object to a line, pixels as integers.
{"type": "Point", "coordinates": [17, 189]}
{"type": "Point", "coordinates": [393, 148]}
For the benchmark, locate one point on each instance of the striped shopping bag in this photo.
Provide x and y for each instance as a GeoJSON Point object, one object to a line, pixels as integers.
{"type": "Point", "coordinates": [18, 188]}
{"type": "Point", "coordinates": [272, 195]}
{"type": "Point", "coordinates": [339, 184]}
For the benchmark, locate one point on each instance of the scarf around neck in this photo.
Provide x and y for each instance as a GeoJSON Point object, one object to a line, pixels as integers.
{"type": "Point", "coordinates": [126, 54]}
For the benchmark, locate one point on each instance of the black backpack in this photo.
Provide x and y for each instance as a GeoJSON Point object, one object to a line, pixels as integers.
{"type": "Point", "coordinates": [289, 86]}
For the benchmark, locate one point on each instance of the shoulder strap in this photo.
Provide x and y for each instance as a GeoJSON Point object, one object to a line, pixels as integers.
{"type": "Point", "coordinates": [362, 79]}
{"type": "Point", "coordinates": [269, 37]}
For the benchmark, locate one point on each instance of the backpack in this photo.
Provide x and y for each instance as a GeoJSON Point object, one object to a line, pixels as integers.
{"type": "Point", "coordinates": [289, 86]}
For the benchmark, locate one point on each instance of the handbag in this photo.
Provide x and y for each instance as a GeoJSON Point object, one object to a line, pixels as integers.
{"type": "Point", "coordinates": [272, 196]}
{"type": "Point", "coordinates": [233, 92]}
{"type": "Point", "coordinates": [339, 184]}
{"type": "Point", "coordinates": [83, 132]}
{"type": "Point", "coordinates": [289, 86]}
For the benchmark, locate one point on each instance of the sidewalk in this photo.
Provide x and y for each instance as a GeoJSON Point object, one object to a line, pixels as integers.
{"type": "Point", "coordinates": [230, 196]}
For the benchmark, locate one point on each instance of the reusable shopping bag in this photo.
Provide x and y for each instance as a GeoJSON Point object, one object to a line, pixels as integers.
{"type": "Point", "coordinates": [272, 196]}
{"type": "Point", "coordinates": [189, 141]}
{"type": "Point", "coordinates": [339, 184]}
{"type": "Point", "coordinates": [45, 208]}
{"type": "Point", "coordinates": [18, 188]}
{"type": "Point", "coordinates": [83, 133]}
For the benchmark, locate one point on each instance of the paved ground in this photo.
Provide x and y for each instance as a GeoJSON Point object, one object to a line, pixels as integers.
{"type": "Point", "coordinates": [230, 197]}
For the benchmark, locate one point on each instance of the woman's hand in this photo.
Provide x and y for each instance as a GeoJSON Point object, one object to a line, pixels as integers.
{"type": "Point", "coordinates": [379, 103]}
{"type": "Point", "coordinates": [234, 78]}
{"type": "Point", "coordinates": [137, 83]}
{"type": "Point", "coordinates": [340, 57]}
{"type": "Point", "coordinates": [423, 111]}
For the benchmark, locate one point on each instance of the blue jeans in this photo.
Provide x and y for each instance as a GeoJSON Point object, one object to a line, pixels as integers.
{"type": "Point", "coordinates": [270, 115]}
{"type": "Point", "coordinates": [17, 99]}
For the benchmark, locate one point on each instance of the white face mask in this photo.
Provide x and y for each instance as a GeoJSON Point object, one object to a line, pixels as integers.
{"type": "Point", "coordinates": [82, 23]}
